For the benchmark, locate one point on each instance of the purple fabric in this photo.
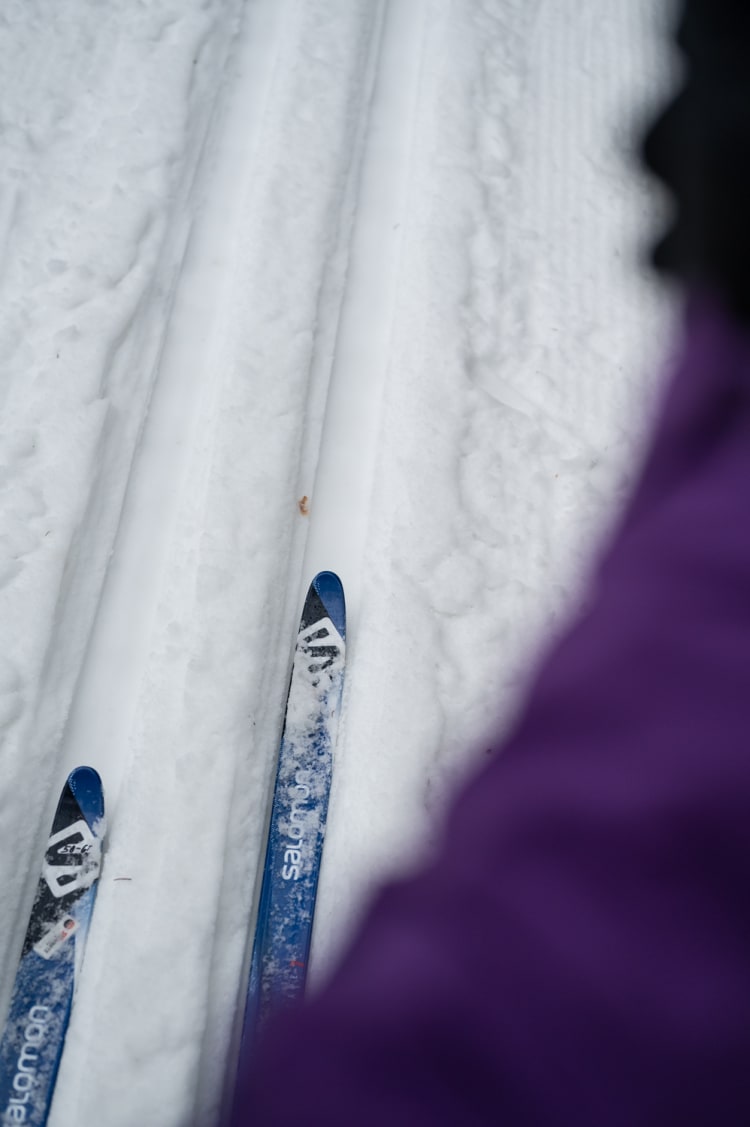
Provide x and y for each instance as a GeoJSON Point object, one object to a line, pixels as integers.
{"type": "Point", "coordinates": [578, 952]}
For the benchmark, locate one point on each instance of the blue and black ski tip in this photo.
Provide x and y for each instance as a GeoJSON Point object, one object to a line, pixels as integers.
{"type": "Point", "coordinates": [34, 1035]}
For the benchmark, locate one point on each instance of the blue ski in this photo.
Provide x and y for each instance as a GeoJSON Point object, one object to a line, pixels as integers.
{"type": "Point", "coordinates": [32, 1042]}
{"type": "Point", "coordinates": [278, 966]}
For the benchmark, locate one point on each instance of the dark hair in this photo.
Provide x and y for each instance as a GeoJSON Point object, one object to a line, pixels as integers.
{"type": "Point", "coordinates": [699, 146]}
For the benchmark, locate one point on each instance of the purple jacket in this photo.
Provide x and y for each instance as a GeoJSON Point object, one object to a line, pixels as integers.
{"type": "Point", "coordinates": [578, 951]}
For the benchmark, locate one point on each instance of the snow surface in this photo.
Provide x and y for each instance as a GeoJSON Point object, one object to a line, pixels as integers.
{"type": "Point", "coordinates": [383, 256]}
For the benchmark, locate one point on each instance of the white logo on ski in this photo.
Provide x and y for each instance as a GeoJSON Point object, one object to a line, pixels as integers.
{"type": "Point", "coordinates": [74, 841]}
{"type": "Point", "coordinates": [324, 637]}
{"type": "Point", "coordinates": [55, 936]}
{"type": "Point", "coordinates": [34, 1036]}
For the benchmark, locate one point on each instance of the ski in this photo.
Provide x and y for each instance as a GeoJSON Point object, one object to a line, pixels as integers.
{"type": "Point", "coordinates": [278, 967]}
{"type": "Point", "coordinates": [32, 1042]}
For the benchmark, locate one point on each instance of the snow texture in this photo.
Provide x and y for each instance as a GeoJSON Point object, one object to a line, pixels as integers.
{"type": "Point", "coordinates": [346, 284]}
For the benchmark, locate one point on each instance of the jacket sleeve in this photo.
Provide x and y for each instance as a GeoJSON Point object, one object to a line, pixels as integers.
{"type": "Point", "coordinates": [578, 950]}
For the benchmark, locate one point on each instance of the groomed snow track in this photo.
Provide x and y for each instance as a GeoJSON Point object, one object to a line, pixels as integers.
{"type": "Point", "coordinates": [317, 283]}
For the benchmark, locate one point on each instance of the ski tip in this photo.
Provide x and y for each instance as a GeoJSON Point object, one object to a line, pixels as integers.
{"type": "Point", "coordinates": [328, 582]}
{"type": "Point", "coordinates": [86, 787]}
{"type": "Point", "coordinates": [330, 590]}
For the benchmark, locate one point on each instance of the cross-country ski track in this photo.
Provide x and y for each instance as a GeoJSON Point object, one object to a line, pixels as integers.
{"type": "Point", "coordinates": [340, 284]}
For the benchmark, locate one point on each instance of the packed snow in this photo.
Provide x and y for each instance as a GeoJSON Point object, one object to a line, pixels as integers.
{"type": "Point", "coordinates": [343, 284]}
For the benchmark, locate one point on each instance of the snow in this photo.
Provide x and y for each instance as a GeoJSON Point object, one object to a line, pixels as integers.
{"type": "Point", "coordinates": [383, 256]}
